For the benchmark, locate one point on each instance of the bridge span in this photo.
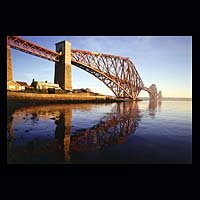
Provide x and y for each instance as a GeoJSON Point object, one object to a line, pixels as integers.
{"type": "Point", "coordinates": [118, 73]}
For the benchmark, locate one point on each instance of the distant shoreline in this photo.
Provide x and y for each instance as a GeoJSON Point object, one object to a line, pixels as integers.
{"type": "Point", "coordinates": [169, 99]}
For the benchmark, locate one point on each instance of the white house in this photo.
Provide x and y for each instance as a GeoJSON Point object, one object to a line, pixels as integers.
{"type": "Point", "coordinates": [44, 85]}
{"type": "Point", "coordinates": [13, 86]}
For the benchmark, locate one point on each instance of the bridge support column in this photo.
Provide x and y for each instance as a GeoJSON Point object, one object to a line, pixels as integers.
{"type": "Point", "coordinates": [63, 68]}
{"type": "Point", "coordinates": [9, 64]}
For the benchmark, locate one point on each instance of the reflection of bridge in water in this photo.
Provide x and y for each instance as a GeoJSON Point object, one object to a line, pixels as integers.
{"type": "Point", "coordinates": [112, 128]}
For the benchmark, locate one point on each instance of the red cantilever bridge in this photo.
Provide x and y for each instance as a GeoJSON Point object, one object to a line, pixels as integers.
{"type": "Point", "coordinates": [116, 72]}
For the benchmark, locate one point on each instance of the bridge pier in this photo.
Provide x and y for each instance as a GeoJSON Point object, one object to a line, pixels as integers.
{"type": "Point", "coordinates": [9, 64]}
{"type": "Point", "coordinates": [63, 67]}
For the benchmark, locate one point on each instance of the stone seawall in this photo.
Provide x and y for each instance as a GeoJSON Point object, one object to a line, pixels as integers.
{"type": "Point", "coordinates": [34, 98]}
{"type": "Point", "coordinates": [17, 100]}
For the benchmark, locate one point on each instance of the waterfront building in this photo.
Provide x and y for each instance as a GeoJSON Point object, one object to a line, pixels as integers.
{"type": "Point", "coordinates": [25, 85]}
{"type": "Point", "coordinates": [13, 86]}
{"type": "Point", "coordinates": [44, 85]}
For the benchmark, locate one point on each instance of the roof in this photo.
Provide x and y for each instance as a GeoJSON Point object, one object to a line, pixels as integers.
{"type": "Point", "coordinates": [22, 83]}
{"type": "Point", "coordinates": [12, 82]}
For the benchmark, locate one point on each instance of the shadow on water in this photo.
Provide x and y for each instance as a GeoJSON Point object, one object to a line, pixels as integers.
{"type": "Point", "coordinates": [112, 128]}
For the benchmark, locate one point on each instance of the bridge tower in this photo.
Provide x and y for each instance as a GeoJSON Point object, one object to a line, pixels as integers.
{"type": "Point", "coordinates": [63, 67]}
{"type": "Point", "coordinates": [9, 64]}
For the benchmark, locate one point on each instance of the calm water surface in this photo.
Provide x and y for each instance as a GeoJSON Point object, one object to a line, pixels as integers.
{"type": "Point", "coordinates": [131, 132]}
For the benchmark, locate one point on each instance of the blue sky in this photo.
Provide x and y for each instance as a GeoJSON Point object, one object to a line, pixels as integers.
{"type": "Point", "coordinates": [163, 60]}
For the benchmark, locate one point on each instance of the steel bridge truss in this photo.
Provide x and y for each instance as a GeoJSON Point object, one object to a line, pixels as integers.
{"type": "Point", "coordinates": [117, 73]}
{"type": "Point", "coordinates": [31, 48]}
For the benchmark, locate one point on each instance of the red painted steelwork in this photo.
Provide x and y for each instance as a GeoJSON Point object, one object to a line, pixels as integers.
{"type": "Point", "coordinates": [31, 48]}
{"type": "Point", "coordinates": [116, 72]}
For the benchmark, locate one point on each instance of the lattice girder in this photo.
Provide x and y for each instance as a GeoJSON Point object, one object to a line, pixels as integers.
{"type": "Point", "coordinates": [31, 48]}
{"type": "Point", "coordinates": [116, 72]}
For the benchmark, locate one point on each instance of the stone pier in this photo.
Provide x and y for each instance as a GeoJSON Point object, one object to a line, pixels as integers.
{"type": "Point", "coordinates": [9, 64]}
{"type": "Point", "coordinates": [63, 68]}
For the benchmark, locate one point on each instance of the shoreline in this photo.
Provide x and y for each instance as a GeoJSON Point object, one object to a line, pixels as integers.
{"type": "Point", "coordinates": [35, 98]}
{"type": "Point", "coordinates": [17, 100]}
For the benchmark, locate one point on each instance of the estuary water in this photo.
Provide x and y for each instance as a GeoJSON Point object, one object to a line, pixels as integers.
{"type": "Point", "coordinates": [141, 132]}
